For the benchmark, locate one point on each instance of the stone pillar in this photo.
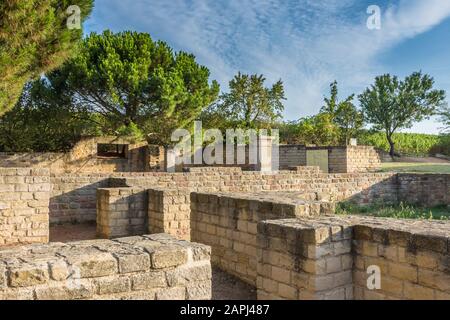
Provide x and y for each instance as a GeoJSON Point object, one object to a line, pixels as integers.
{"type": "Point", "coordinates": [169, 212]}
{"type": "Point", "coordinates": [170, 163]}
{"type": "Point", "coordinates": [265, 154]}
{"type": "Point", "coordinates": [301, 259]}
{"type": "Point", "coordinates": [121, 212]}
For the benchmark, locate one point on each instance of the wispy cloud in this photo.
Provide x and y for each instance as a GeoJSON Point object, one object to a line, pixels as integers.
{"type": "Point", "coordinates": [307, 43]}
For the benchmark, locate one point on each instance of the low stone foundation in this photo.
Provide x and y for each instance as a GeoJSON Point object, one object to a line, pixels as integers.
{"type": "Point", "coordinates": [142, 267]}
{"type": "Point", "coordinates": [329, 258]}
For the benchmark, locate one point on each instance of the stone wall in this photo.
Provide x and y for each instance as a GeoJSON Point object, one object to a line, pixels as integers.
{"type": "Point", "coordinates": [169, 211]}
{"type": "Point", "coordinates": [121, 212]}
{"type": "Point", "coordinates": [329, 258]}
{"type": "Point", "coordinates": [345, 159]}
{"type": "Point", "coordinates": [73, 197]}
{"type": "Point", "coordinates": [413, 257]}
{"type": "Point", "coordinates": [228, 223]}
{"type": "Point", "coordinates": [24, 205]}
{"type": "Point", "coordinates": [83, 158]}
{"type": "Point", "coordinates": [363, 159]}
{"type": "Point", "coordinates": [144, 268]}
{"type": "Point", "coordinates": [292, 156]}
{"type": "Point", "coordinates": [301, 259]}
{"type": "Point", "coordinates": [424, 189]}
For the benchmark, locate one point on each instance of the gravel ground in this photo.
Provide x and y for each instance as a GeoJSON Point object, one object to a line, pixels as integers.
{"type": "Point", "coordinates": [227, 287]}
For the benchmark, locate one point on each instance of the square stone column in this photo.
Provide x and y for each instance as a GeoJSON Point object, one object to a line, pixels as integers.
{"type": "Point", "coordinates": [265, 153]}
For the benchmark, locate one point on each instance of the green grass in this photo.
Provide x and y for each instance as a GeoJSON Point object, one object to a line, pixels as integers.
{"type": "Point", "coordinates": [401, 211]}
{"type": "Point", "coordinates": [415, 167]}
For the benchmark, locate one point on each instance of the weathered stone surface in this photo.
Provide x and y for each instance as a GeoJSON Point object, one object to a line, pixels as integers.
{"type": "Point", "coordinates": [185, 275]}
{"type": "Point", "coordinates": [149, 280]}
{"type": "Point", "coordinates": [93, 265]}
{"type": "Point", "coordinates": [199, 290]}
{"type": "Point", "coordinates": [168, 256]}
{"type": "Point", "coordinates": [177, 293]}
{"type": "Point", "coordinates": [133, 262]}
{"type": "Point", "coordinates": [90, 270]}
{"type": "Point", "coordinates": [28, 275]}
{"type": "Point", "coordinates": [111, 285]}
{"type": "Point", "coordinates": [78, 289]}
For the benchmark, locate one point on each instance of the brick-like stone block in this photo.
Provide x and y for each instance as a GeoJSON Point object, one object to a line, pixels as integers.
{"type": "Point", "coordinates": [149, 280]}
{"type": "Point", "coordinates": [168, 256]}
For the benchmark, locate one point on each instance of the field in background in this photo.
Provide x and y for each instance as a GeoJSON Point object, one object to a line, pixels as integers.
{"type": "Point", "coordinates": [415, 167]}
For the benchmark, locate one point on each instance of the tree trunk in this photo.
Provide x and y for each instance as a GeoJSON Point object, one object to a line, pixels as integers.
{"type": "Point", "coordinates": [391, 146]}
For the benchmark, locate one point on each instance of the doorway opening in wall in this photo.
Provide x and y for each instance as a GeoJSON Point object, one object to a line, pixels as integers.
{"type": "Point", "coordinates": [112, 151]}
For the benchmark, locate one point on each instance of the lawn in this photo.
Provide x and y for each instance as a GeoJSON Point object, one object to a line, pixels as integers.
{"type": "Point", "coordinates": [415, 167]}
{"type": "Point", "coordinates": [401, 211]}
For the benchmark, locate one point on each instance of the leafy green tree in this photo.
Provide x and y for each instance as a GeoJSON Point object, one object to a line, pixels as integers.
{"type": "Point", "coordinates": [249, 104]}
{"type": "Point", "coordinates": [392, 104]}
{"type": "Point", "coordinates": [37, 123]}
{"type": "Point", "coordinates": [444, 114]}
{"type": "Point", "coordinates": [349, 121]}
{"type": "Point", "coordinates": [343, 114]}
{"type": "Point", "coordinates": [332, 104]}
{"type": "Point", "coordinates": [132, 81]}
{"type": "Point", "coordinates": [318, 130]}
{"type": "Point", "coordinates": [34, 39]}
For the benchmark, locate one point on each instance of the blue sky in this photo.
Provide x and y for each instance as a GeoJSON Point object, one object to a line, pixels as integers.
{"type": "Point", "coordinates": [306, 43]}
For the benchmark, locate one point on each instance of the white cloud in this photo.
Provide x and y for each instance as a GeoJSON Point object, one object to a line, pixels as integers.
{"type": "Point", "coordinates": [307, 43]}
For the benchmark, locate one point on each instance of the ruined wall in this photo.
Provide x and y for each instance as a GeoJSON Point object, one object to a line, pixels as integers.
{"type": "Point", "coordinates": [329, 257]}
{"type": "Point", "coordinates": [301, 259]}
{"type": "Point", "coordinates": [292, 156]}
{"type": "Point", "coordinates": [145, 268]}
{"type": "Point", "coordinates": [424, 189]}
{"type": "Point", "coordinates": [24, 205]}
{"type": "Point", "coordinates": [362, 159]}
{"type": "Point", "coordinates": [83, 158]}
{"type": "Point", "coordinates": [121, 212]}
{"type": "Point", "coordinates": [228, 223]}
{"type": "Point", "coordinates": [345, 159]}
{"type": "Point", "coordinates": [73, 197]}
{"type": "Point", "coordinates": [413, 257]}
{"type": "Point", "coordinates": [169, 211]}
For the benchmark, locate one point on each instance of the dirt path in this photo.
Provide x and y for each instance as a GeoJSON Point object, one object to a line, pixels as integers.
{"type": "Point", "coordinates": [73, 232]}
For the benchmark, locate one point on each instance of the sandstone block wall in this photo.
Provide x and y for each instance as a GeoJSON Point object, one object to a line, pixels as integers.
{"type": "Point", "coordinates": [329, 258]}
{"type": "Point", "coordinates": [292, 156]}
{"type": "Point", "coordinates": [301, 259]}
{"type": "Point", "coordinates": [121, 212]}
{"type": "Point", "coordinates": [169, 211]}
{"type": "Point", "coordinates": [345, 159]}
{"type": "Point", "coordinates": [362, 159]}
{"type": "Point", "coordinates": [228, 223]}
{"type": "Point", "coordinates": [83, 158]}
{"type": "Point", "coordinates": [144, 268]}
{"type": "Point", "coordinates": [413, 257]}
{"type": "Point", "coordinates": [73, 197]}
{"type": "Point", "coordinates": [424, 189]}
{"type": "Point", "coordinates": [337, 160]}
{"type": "Point", "coordinates": [24, 205]}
